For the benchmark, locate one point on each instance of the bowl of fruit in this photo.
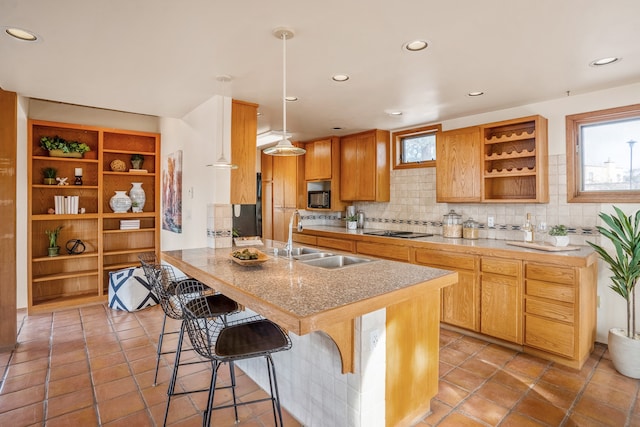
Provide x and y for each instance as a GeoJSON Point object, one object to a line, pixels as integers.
{"type": "Point", "coordinates": [248, 256]}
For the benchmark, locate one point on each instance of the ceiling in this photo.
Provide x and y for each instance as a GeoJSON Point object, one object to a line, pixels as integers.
{"type": "Point", "coordinates": [161, 57]}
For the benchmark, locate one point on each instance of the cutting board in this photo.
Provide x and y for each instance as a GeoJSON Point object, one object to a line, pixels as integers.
{"type": "Point", "coordinates": [543, 246]}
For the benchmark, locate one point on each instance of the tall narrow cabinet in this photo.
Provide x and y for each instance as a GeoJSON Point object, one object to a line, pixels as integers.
{"type": "Point", "coordinates": [75, 279]}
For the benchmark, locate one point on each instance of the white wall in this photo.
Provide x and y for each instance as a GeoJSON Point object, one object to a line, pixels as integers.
{"type": "Point", "coordinates": [198, 135]}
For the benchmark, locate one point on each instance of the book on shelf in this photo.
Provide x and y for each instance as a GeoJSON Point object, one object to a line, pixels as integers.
{"type": "Point", "coordinates": [129, 224]}
{"type": "Point", "coordinates": [66, 204]}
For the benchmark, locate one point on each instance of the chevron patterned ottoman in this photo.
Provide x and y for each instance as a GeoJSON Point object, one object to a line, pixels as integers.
{"type": "Point", "coordinates": [130, 291]}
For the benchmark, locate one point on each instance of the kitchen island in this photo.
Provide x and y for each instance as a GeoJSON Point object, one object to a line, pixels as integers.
{"type": "Point", "coordinates": [383, 317]}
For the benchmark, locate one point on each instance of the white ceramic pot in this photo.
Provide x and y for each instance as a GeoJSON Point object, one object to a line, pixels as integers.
{"type": "Point", "coordinates": [625, 353]}
{"type": "Point", "coordinates": [137, 195]}
{"type": "Point", "coordinates": [120, 202]}
{"type": "Point", "coordinates": [352, 225]}
{"type": "Point", "coordinates": [559, 240]}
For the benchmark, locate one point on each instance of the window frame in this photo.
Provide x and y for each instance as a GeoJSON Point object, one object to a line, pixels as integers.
{"type": "Point", "coordinates": [396, 144]}
{"type": "Point", "coordinates": [574, 166]}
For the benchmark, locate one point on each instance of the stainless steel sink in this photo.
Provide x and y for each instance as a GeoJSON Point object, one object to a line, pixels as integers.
{"type": "Point", "coordinates": [295, 252]}
{"type": "Point", "coordinates": [314, 255]}
{"type": "Point", "coordinates": [336, 261]}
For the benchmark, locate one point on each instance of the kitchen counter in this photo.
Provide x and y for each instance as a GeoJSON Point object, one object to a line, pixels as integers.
{"type": "Point", "coordinates": [488, 247]}
{"type": "Point", "coordinates": [382, 315]}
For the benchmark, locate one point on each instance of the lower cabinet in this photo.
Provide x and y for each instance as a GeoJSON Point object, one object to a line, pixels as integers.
{"type": "Point", "coordinates": [501, 298]}
{"type": "Point", "coordinates": [560, 311]}
{"type": "Point", "coordinates": [460, 302]}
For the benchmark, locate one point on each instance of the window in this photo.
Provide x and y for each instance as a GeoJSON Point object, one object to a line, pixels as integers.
{"type": "Point", "coordinates": [415, 148]}
{"type": "Point", "coordinates": [603, 157]}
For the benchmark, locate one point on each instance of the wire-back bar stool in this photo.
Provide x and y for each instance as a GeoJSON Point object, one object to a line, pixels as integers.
{"type": "Point", "coordinates": [219, 341]}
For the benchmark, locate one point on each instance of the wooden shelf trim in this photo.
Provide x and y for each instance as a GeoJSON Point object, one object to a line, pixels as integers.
{"type": "Point", "coordinates": [129, 251]}
{"type": "Point", "coordinates": [54, 217]}
{"type": "Point", "coordinates": [69, 275]}
{"type": "Point", "coordinates": [517, 172]}
{"type": "Point", "coordinates": [66, 187]}
{"type": "Point", "coordinates": [129, 215]}
{"type": "Point", "coordinates": [510, 138]}
{"type": "Point", "coordinates": [65, 159]}
{"type": "Point", "coordinates": [144, 153]}
{"type": "Point", "coordinates": [65, 257]}
{"type": "Point", "coordinates": [129, 173]}
{"type": "Point", "coordinates": [135, 230]}
{"type": "Point", "coordinates": [512, 155]}
{"type": "Point", "coordinates": [120, 266]}
{"type": "Point", "coordinates": [65, 301]}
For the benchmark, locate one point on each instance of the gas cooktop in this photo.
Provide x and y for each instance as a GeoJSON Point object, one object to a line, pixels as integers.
{"type": "Point", "coordinates": [400, 234]}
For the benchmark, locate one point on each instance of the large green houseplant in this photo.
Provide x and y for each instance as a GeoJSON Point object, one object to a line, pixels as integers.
{"type": "Point", "coordinates": [60, 147]}
{"type": "Point", "coordinates": [624, 233]}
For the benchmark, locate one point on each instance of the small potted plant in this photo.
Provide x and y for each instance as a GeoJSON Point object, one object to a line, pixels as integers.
{"type": "Point", "coordinates": [59, 147]}
{"type": "Point", "coordinates": [49, 176]}
{"type": "Point", "coordinates": [137, 160]}
{"type": "Point", "coordinates": [352, 222]}
{"type": "Point", "coordinates": [54, 249]}
{"type": "Point", "coordinates": [558, 235]}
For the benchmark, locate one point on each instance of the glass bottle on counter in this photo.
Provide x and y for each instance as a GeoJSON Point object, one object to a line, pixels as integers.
{"type": "Point", "coordinates": [452, 225]}
{"type": "Point", "coordinates": [528, 229]}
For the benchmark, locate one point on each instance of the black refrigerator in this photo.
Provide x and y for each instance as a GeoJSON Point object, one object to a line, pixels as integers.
{"type": "Point", "coordinates": [247, 219]}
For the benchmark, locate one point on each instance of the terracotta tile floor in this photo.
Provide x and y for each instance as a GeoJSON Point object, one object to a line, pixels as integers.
{"type": "Point", "coordinates": [94, 366]}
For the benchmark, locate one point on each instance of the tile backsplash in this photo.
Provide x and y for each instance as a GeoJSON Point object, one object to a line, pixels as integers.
{"type": "Point", "coordinates": [413, 208]}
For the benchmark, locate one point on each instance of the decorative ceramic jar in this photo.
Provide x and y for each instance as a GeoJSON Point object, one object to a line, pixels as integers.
{"type": "Point", "coordinates": [559, 240]}
{"type": "Point", "coordinates": [120, 202]}
{"type": "Point", "coordinates": [137, 196]}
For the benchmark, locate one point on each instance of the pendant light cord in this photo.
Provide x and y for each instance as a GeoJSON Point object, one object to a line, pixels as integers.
{"type": "Point", "coordinates": [284, 85]}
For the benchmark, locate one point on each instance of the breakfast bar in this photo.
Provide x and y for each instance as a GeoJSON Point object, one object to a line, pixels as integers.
{"type": "Point", "coordinates": [380, 366]}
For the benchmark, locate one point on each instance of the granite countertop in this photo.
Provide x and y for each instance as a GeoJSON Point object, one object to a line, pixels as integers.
{"type": "Point", "coordinates": [299, 294]}
{"type": "Point", "coordinates": [583, 255]}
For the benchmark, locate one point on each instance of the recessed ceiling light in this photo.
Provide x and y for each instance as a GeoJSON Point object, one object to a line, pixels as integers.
{"type": "Point", "coordinates": [476, 93]}
{"type": "Point", "coordinates": [336, 128]}
{"type": "Point", "coordinates": [415, 45]}
{"type": "Point", "coordinates": [604, 61]}
{"type": "Point", "coordinates": [21, 34]}
{"type": "Point", "coordinates": [394, 113]}
{"type": "Point", "coordinates": [291, 98]}
{"type": "Point", "coordinates": [340, 77]}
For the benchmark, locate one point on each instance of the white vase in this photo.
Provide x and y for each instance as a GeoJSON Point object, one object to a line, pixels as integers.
{"type": "Point", "coordinates": [559, 240]}
{"type": "Point", "coordinates": [138, 197]}
{"type": "Point", "coordinates": [352, 225]}
{"type": "Point", "coordinates": [624, 352]}
{"type": "Point", "coordinates": [120, 202]}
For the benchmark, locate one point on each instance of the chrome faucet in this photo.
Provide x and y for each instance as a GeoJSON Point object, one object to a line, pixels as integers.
{"type": "Point", "coordinates": [289, 246]}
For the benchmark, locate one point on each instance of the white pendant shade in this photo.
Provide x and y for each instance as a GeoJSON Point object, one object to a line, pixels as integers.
{"type": "Point", "coordinates": [222, 162]}
{"type": "Point", "coordinates": [284, 147]}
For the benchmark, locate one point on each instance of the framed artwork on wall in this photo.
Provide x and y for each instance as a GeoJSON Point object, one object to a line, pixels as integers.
{"type": "Point", "coordinates": [172, 192]}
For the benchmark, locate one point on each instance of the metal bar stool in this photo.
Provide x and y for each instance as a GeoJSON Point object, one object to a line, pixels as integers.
{"type": "Point", "coordinates": [163, 280]}
{"type": "Point", "coordinates": [220, 341]}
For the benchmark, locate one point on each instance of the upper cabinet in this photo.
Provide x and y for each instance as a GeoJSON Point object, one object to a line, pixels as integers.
{"type": "Point", "coordinates": [515, 161]}
{"type": "Point", "coordinates": [502, 162]}
{"type": "Point", "coordinates": [458, 165]}
{"type": "Point", "coordinates": [364, 166]}
{"type": "Point", "coordinates": [244, 128]}
{"type": "Point", "coordinates": [317, 160]}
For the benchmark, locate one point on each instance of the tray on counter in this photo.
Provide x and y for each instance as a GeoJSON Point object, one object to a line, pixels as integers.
{"type": "Point", "coordinates": [262, 257]}
{"type": "Point", "coordinates": [544, 246]}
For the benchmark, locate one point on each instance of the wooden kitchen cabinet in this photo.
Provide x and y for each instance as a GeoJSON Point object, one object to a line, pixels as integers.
{"type": "Point", "coordinates": [458, 165]}
{"type": "Point", "coordinates": [560, 311]}
{"type": "Point", "coordinates": [515, 161]}
{"type": "Point", "coordinates": [244, 128]}
{"type": "Point", "coordinates": [501, 298]}
{"type": "Point", "coordinates": [365, 167]}
{"type": "Point", "coordinates": [460, 302]}
{"type": "Point", "coordinates": [70, 280]}
{"type": "Point", "coordinates": [279, 195]}
{"type": "Point", "coordinates": [317, 160]}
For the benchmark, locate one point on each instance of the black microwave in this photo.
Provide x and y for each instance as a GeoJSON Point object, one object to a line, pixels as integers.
{"type": "Point", "coordinates": [319, 199]}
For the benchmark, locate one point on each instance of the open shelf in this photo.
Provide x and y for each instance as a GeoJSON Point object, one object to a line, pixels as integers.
{"type": "Point", "coordinates": [75, 280]}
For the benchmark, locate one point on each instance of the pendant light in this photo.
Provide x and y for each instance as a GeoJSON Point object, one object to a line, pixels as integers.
{"type": "Point", "coordinates": [284, 146]}
{"type": "Point", "coordinates": [222, 162]}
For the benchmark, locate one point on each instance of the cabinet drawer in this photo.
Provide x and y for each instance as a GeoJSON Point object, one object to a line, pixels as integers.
{"type": "Point", "coordinates": [444, 259]}
{"type": "Point", "coordinates": [550, 310]}
{"type": "Point", "coordinates": [549, 335]}
{"type": "Point", "coordinates": [506, 267]}
{"type": "Point", "coordinates": [343, 245]}
{"type": "Point", "coordinates": [395, 252]}
{"type": "Point", "coordinates": [550, 273]}
{"type": "Point", "coordinates": [304, 239]}
{"type": "Point", "coordinates": [550, 291]}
